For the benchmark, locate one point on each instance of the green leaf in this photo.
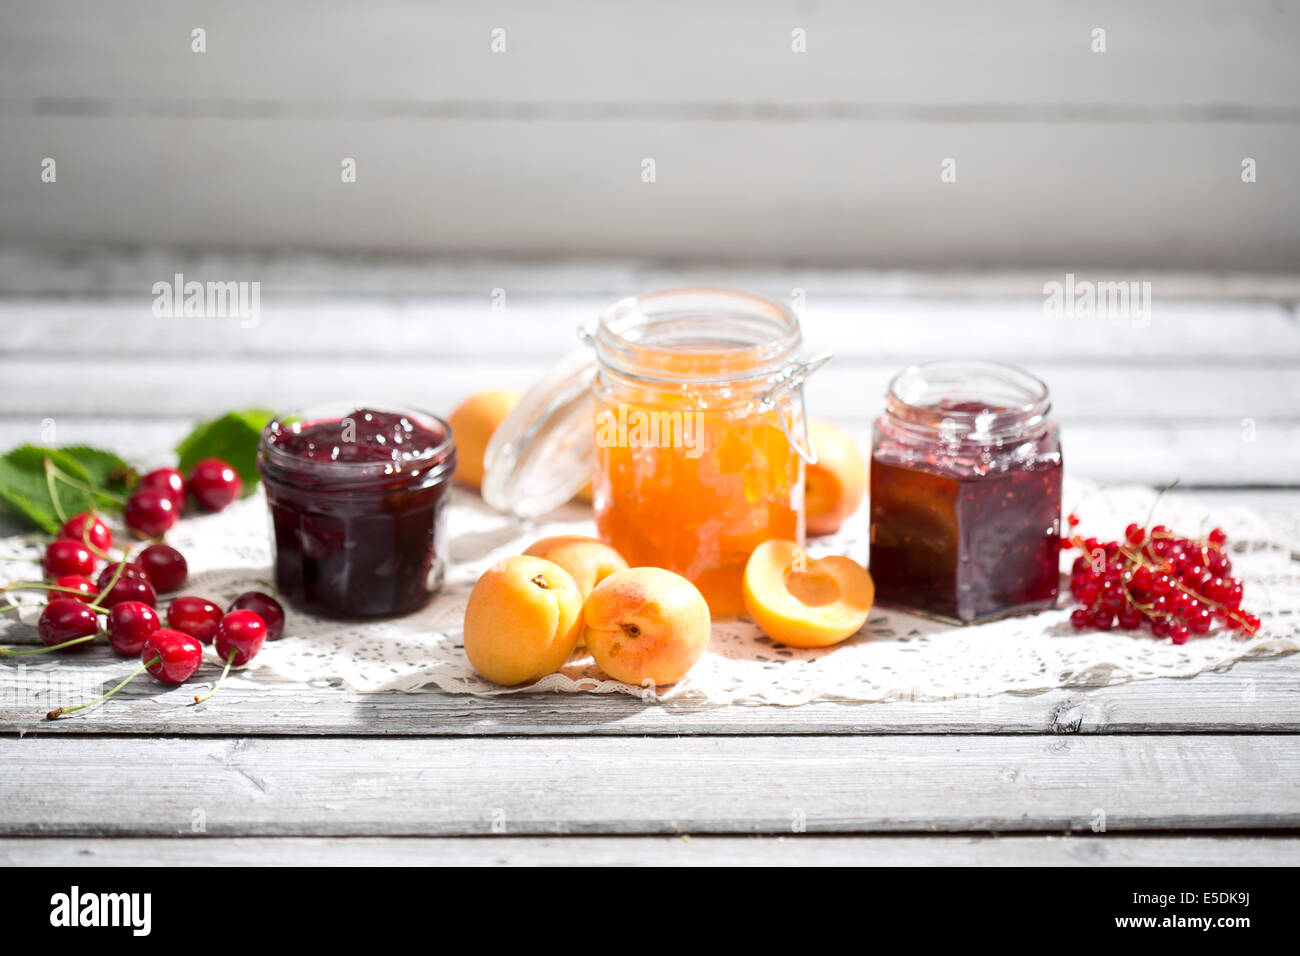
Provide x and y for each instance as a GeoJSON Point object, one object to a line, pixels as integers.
{"type": "Point", "coordinates": [106, 470]}
{"type": "Point", "coordinates": [233, 438]}
{"type": "Point", "coordinates": [37, 514]}
{"type": "Point", "coordinates": [25, 487]}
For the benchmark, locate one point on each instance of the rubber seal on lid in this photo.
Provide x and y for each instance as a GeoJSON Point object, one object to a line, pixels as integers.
{"type": "Point", "coordinates": [544, 452]}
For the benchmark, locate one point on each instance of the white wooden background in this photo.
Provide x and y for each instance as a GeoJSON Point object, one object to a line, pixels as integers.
{"type": "Point", "coordinates": [1128, 159]}
{"type": "Point", "coordinates": [481, 175]}
{"type": "Point", "coordinates": [1201, 771]}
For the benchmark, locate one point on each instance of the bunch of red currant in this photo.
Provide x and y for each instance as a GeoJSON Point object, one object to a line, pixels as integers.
{"type": "Point", "coordinates": [158, 501]}
{"type": "Point", "coordinates": [125, 592]}
{"type": "Point", "coordinates": [1174, 585]}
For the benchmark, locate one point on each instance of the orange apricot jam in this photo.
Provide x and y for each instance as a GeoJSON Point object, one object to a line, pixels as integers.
{"type": "Point", "coordinates": [694, 469]}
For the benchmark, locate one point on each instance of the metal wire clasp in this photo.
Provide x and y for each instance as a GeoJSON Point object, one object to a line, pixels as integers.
{"type": "Point", "coordinates": [790, 381]}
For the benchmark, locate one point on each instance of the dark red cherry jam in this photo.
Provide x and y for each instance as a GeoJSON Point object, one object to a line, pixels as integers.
{"type": "Point", "coordinates": [966, 493]}
{"type": "Point", "coordinates": [357, 499]}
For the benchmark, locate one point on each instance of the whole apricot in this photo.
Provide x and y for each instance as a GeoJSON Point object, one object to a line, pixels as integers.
{"type": "Point", "coordinates": [588, 560]}
{"type": "Point", "coordinates": [646, 626]}
{"type": "Point", "coordinates": [472, 425]}
{"type": "Point", "coordinates": [833, 488]}
{"type": "Point", "coordinates": [523, 620]}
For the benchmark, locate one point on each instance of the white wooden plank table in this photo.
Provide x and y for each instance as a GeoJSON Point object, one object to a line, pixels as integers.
{"type": "Point", "coordinates": [1200, 771]}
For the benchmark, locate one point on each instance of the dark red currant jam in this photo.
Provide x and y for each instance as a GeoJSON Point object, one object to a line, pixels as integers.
{"type": "Point", "coordinates": [966, 493]}
{"type": "Point", "coordinates": [357, 499]}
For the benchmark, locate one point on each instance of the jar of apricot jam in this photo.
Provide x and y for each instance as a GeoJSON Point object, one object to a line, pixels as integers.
{"type": "Point", "coordinates": [686, 416]}
{"type": "Point", "coordinates": [357, 495]}
{"type": "Point", "coordinates": [966, 493]}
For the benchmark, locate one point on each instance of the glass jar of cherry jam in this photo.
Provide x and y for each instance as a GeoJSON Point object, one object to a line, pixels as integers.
{"type": "Point", "coordinates": [966, 493]}
{"type": "Point", "coordinates": [357, 496]}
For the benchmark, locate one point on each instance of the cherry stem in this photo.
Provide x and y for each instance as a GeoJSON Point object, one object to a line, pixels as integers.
{"type": "Point", "coordinates": [39, 586]}
{"type": "Point", "coordinates": [19, 605]}
{"type": "Point", "coordinates": [67, 479]}
{"type": "Point", "coordinates": [7, 652]}
{"type": "Point", "coordinates": [230, 659]}
{"type": "Point", "coordinates": [121, 566]}
{"type": "Point", "coordinates": [53, 487]}
{"type": "Point", "coordinates": [61, 711]}
{"type": "Point", "coordinates": [85, 536]}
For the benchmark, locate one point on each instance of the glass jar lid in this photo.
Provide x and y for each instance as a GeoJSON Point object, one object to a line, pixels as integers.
{"type": "Point", "coordinates": [544, 452]}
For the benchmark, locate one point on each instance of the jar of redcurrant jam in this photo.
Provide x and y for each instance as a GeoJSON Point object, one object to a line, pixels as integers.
{"type": "Point", "coordinates": [357, 495]}
{"type": "Point", "coordinates": [966, 493]}
{"type": "Point", "coordinates": [685, 413]}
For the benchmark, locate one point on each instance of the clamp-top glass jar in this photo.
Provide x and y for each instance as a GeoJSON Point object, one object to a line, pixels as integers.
{"type": "Point", "coordinates": [688, 421]}
{"type": "Point", "coordinates": [711, 381]}
{"type": "Point", "coordinates": [966, 492]}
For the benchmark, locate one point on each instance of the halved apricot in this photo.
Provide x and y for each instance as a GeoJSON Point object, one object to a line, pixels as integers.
{"type": "Point", "coordinates": [802, 602]}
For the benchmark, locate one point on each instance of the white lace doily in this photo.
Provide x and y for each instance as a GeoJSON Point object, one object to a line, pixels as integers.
{"type": "Point", "coordinates": [897, 655]}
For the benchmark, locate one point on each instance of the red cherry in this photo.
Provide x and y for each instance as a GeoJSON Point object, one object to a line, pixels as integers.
{"type": "Point", "coordinates": [129, 570]}
{"type": "Point", "coordinates": [128, 589]}
{"type": "Point", "coordinates": [88, 529]}
{"type": "Point", "coordinates": [215, 484]}
{"type": "Point", "coordinates": [65, 556]}
{"type": "Point", "coordinates": [165, 567]}
{"type": "Point", "coordinates": [130, 624]}
{"type": "Point", "coordinates": [66, 619]}
{"type": "Point", "coordinates": [265, 607]}
{"type": "Point", "coordinates": [85, 588]}
{"type": "Point", "coordinates": [241, 634]}
{"type": "Point", "coordinates": [171, 656]}
{"type": "Point", "coordinates": [168, 482]}
{"type": "Point", "coordinates": [196, 616]}
{"type": "Point", "coordinates": [150, 513]}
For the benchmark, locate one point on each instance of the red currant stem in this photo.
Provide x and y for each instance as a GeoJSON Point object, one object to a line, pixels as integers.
{"type": "Point", "coordinates": [53, 487]}
{"type": "Point", "coordinates": [61, 711]}
{"type": "Point", "coordinates": [7, 652]}
{"type": "Point", "coordinates": [1160, 494]}
{"type": "Point", "coordinates": [230, 659]}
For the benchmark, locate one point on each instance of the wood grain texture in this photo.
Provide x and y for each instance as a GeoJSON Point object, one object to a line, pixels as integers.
{"type": "Point", "coordinates": [836, 192]}
{"type": "Point", "coordinates": [632, 785]}
{"type": "Point", "coordinates": [792, 850]}
{"type": "Point", "coordinates": [1251, 697]}
{"type": "Point", "coordinates": [671, 53]}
